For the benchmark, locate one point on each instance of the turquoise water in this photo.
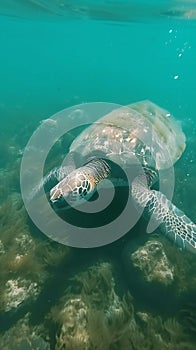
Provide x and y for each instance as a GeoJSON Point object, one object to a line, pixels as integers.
{"type": "Point", "coordinates": [54, 57]}
{"type": "Point", "coordinates": [48, 64]}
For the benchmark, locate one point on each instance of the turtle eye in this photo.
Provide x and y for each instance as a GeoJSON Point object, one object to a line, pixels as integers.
{"type": "Point", "coordinates": [88, 187]}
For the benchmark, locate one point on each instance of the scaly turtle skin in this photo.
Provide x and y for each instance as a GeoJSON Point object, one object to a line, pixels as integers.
{"type": "Point", "coordinates": [141, 131]}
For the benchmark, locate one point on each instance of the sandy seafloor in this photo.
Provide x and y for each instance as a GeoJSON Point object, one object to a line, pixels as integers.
{"type": "Point", "coordinates": [139, 292]}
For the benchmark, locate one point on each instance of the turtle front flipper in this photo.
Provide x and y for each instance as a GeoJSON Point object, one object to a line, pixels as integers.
{"type": "Point", "coordinates": [173, 222]}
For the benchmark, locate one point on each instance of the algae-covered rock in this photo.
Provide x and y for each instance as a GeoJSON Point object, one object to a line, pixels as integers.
{"type": "Point", "coordinates": [27, 262]}
{"type": "Point", "coordinates": [74, 326]}
{"type": "Point", "coordinates": [158, 274]}
{"type": "Point", "coordinates": [24, 336]}
{"type": "Point", "coordinates": [21, 272]}
{"type": "Point", "coordinates": [153, 263]}
{"type": "Point", "coordinates": [2, 250]}
{"type": "Point", "coordinates": [94, 317]}
{"type": "Point", "coordinates": [151, 275]}
{"type": "Point", "coordinates": [19, 290]}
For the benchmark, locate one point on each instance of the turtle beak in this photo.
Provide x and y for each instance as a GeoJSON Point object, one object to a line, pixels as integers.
{"type": "Point", "coordinates": [57, 198]}
{"type": "Point", "coordinates": [61, 196]}
{"type": "Point", "coordinates": [55, 194]}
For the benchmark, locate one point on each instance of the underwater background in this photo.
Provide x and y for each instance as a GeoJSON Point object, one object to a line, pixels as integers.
{"type": "Point", "coordinates": [55, 54]}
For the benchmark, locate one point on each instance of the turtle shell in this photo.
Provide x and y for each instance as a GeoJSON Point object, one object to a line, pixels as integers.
{"type": "Point", "coordinates": [141, 130]}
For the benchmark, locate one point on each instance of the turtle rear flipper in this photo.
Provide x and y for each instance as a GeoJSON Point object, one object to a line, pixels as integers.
{"type": "Point", "coordinates": [171, 220]}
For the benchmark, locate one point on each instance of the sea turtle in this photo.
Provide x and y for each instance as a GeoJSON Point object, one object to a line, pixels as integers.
{"type": "Point", "coordinates": [143, 131]}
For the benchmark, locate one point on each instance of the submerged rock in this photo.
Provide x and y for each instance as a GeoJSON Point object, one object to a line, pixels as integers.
{"type": "Point", "coordinates": [153, 263]}
{"type": "Point", "coordinates": [151, 275]}
{"type": "Point", "coordinates": [24, 336]}
{"type": "Point", "coordinates": [2, 249]}
{"type": "Point", "coordinates": [92, 315]}
{"type": "Point", "coordinates": [20, 273]}
{"type": "Point", "coordinates": [19, 290]}
{"type": "Point", "coordinates": [74, 326]}
{"type": "Point", "coordinates": [26, 261]}
{"type": "Point", "coordinates": [95, 317]}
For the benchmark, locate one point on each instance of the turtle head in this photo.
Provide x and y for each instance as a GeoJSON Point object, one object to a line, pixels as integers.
{"type": "Point", "coordinates": [74, 189]}
{"type": "Point", "coordinates": [80, 184]}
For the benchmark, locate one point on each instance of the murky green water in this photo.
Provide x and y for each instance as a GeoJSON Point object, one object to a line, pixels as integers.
{"type": "Point", "coordinates": [55, 55]}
